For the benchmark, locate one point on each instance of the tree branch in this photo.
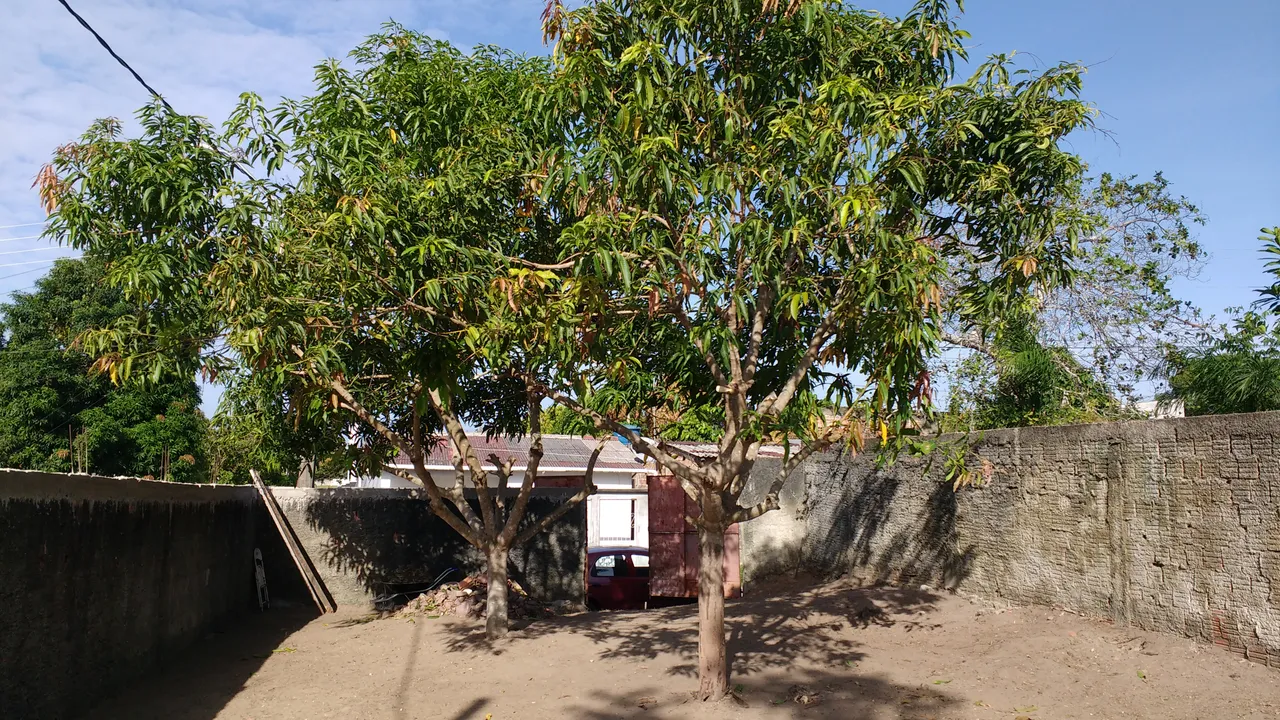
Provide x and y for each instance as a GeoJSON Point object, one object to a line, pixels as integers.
{"type": "Point", "coordinates": [675, 459]}
{"type": "Point", "coordinates": [970, 340]}
{"type": "Point", "coordinates": [770, 501]}
{"type": "Point", "coordinates": [764, 304]}
{"type": "Point", "coordinates": [464, 521]}
{"type": "Point", "coordinates": [530, 470]}
{"type": "Point", "coordinates": [682, 316]}
{"type": "Point", "coordinates": [777, 401]}
{"type": "Point", "coordinates": [588, 489]}
{"type": "Point", "coordinates": [479, 478]}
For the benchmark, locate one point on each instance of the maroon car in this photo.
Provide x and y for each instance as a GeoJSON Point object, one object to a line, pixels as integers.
{"type": "Point", "coordinates": [617, 578]}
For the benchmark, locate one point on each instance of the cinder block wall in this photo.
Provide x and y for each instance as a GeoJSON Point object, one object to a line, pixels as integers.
{"type": "Point", "coordinates": [1168, 525]}
{"type": "Point", "coordinates": [103, 578]}
{"type": "Point", "coordinates": [367, 543]}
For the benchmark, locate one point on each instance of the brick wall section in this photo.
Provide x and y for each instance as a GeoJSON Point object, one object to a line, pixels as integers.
{"type": "Point", "coordinates": [1168, 525]}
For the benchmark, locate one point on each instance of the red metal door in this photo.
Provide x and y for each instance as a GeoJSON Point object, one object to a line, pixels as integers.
{"type": "Point", "coordinates": [673, 544]}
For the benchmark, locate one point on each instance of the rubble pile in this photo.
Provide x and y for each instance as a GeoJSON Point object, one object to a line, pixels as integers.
{"type": "Point", "coordinates": [466, 598]}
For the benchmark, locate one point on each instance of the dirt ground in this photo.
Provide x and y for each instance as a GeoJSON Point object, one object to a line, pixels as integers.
{"type": "Point", "coordinates": [873, 654]}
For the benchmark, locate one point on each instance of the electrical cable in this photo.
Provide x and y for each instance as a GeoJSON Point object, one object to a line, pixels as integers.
{"type": "Point", "coordinates": [119, 59]}
{"type": "Point", "coordinates": [10, 227]}
{"type": "Point", "coordinates": [30, 250]}
{"type": "Point", "coordinates": [24, 272]}
{"type": "Point", "coordinates": [102, 41]}
{"type": "Point", "coordinates": [24, 237]}
{"type": "Point", "coordinates": [78, 396]}
{"type": "Point", "coordinates": [38, 262]}
{"type": "Point", "coordinates": [434, 584]}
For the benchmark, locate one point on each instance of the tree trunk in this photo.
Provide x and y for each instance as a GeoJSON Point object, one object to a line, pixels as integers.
{"type": "Point", "coordinates": [305, 477]}
{"type": "Point", "coordinates": [496, 603]}
{"type": "Point", "coordinates": [713, 670]}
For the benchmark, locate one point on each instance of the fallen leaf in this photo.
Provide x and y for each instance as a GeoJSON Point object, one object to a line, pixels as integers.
{"type": "Point", "coordinates": [941, 682]}
{"type": "Point", "coordinates": [1027, 709]}
{"type": "Point", "coordinates": [645, 703]}
{"type": "Point", "coordinates": [1142, 675]}
{"type": "Point", "coordinates": [285, 650]}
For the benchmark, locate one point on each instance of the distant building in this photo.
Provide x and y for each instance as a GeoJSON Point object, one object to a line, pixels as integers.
{"type": "Point", "coordinates": [617, 515]}
{"type": "Point", "coordinates": [1158, 410]}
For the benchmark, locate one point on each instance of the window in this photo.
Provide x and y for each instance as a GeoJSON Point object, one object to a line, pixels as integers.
{"type": "Point", "coordinates": [617, 520]}
{"type": "Point", "coordinates": [609, 566]}
{"type": "Point", "coordinates": [641, 564]}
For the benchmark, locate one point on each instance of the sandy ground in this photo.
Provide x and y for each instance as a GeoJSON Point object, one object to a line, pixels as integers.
{"type": "Point", "coordinates": [874, 654]}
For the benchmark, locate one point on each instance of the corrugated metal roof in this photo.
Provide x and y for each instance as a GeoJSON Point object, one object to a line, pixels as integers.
{"type": "Point", "coordinates": [558, 452]}
{"type": "Point", "coordinates": [567, 451]}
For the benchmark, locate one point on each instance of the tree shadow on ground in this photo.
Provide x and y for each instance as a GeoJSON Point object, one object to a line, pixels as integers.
{"type": "Point", "coordinates": [209, 673]}
{"type": "Point", "coordinates": [834, 694]}
{"type": "Point", "coordinates": [775, 629]}
{"type": "Point", "coordinates": [782, 644]}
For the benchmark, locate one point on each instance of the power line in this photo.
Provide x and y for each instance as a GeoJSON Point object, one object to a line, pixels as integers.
{"type": "Point", "coordinates": [119, 59]}
{"type": "Point", "coordinates": [78, 396]}
{"type": "Point", "coordinates": [10, 227]}
{"type": "Point", "coordinates": [38, 262]}
{"type": "Point", "coordinates": [136, 76]}
{"type": "Point", "coordinates": [29, 250]}
{"type": "Point", "coordinates": [24, 272]}
{"type": "Point", "coordinates": [24, 237]}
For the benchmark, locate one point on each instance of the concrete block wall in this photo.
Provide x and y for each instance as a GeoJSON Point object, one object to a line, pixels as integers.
{"type": "Point", "coordinates": [101, 579]}
{"type": "Point", "coordinates": [1168, 525]}
{"type": "Point", "coordinates": [104, 579]}
{"type": "Point", "coordinates": [368, 542]}
{"type": "Point", "coordinates": [773, 543]}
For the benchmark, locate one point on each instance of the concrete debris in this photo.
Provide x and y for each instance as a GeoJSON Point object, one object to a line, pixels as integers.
{"type": "Point", "coordinates": [466, 598]}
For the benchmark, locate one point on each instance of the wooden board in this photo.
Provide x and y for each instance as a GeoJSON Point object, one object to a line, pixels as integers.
{"type": "Point", "coordinates": [311, 578]}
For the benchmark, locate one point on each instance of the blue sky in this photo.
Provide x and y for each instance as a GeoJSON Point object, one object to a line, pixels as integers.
{"type": "Point", "coordinates": [1188, 88]}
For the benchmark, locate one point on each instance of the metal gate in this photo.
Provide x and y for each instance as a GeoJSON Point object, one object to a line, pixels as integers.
{"type": "Point", "coordinates": [673, 544]}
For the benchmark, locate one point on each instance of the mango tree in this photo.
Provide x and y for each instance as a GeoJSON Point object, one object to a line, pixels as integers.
{"type": "Point", "coordinates": [774, 193]}
{"type": "Point", "coordinates": [341, 251]}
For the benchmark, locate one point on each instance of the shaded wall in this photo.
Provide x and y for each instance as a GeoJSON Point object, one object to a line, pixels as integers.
{"type": "Point", "coordinates": [101, 579]}
{"type": "Point", "coordinates": [772, 543]}
{"type": "Point", "coordinates": [1169, 525]}
{"type": "Point", "coordinates": [368, 543]}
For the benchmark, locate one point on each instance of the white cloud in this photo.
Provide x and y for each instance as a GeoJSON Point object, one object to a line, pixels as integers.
{"type": "Point", "coordinates": [200, 54]}
{"type": "Point", "coordinates": [55, 79]}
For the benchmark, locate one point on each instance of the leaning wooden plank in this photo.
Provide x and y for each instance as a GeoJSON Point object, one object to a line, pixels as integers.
{"type": "Point", "coordinates": [319, 593]}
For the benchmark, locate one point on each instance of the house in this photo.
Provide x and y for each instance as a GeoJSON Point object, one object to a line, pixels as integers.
{"type": "Point", "coordinates": [1158, 410]}
{"type": "Point", "coordinates": [616, 515]}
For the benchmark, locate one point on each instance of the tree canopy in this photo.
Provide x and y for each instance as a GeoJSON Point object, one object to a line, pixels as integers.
{"type": "Point", "coordinates": [1118, 314]}
{"type": "Point", "coordinates": [348, 260]}
{"type": "Point", "coordinates": [58, 415]}
{"type": "Point", "coordinates": [771, 209]}
{"type": "Point", "coordinates": [1019, 381]}
{"type": "Point", "coordinates": [1234, 368]}
{"type": "Point", "coordinates": [780, 200]}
